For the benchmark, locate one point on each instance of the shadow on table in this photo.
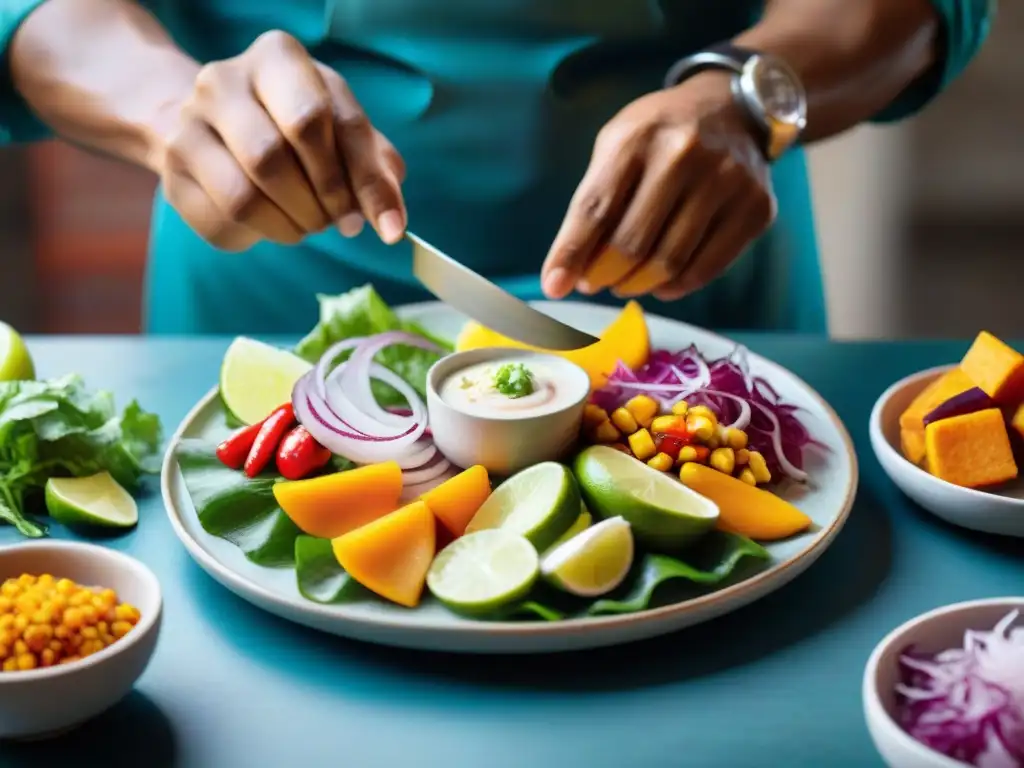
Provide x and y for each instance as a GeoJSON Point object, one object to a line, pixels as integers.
{"type": "Point", "coordinates": [844, 578]}
{"type": "Point", "coordinates": [134, 727]}
{"type": "Point", "coordinates": [1004, 547]}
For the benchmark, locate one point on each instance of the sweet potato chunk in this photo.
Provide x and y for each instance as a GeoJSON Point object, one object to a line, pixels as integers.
{"type": "Point", "coordinates": [949, 384]}
{"type": "Point", "coordinates": [996, 368]}
{"type": "Point", "coordinates": [972, 450]}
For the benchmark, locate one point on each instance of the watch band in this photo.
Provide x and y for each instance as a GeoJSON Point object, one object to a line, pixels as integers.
{"type": "Point", "coordinates": [722, 56]}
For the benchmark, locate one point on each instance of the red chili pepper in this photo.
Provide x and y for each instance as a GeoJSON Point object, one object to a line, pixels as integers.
{"type": "Point", "coordinates": [268, 438]}
{"type": "Point", "coordinates": [299, 454]}
{"type": "Point", "coordinates": [679, 431]}
{"type": "Point", "coordinates": [669, 444]}
{"type": "Point", "coordinates": [234, 450]}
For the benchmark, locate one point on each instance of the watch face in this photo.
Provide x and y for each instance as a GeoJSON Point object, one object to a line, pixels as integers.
{"type": "Point", "coordinates": [778, 90]}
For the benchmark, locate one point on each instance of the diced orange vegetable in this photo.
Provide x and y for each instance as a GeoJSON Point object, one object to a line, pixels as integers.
{"type": "Point", "coordinates": [391, 556]}
{"type": "Point", "coordinates": [996, 368]}
{"type": "Point", "coordinates": [455, 501]}
{"type": "Point", "coordinates": [626, 340]}
{"type": "Point", "coordinates": [949, 384]}
{"type": "Point", "coordinates": [332, 505]}
{"type": "Point", "coordinates": [972, 450]}
{"type": "Point", "coordinates": [742, 508]}
{"type": "Point", "coordinates": [1017, 420]}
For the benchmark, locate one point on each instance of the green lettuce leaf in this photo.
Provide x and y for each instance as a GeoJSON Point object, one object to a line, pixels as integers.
{"type": "Point", "coordinates": [60, 428]}
{"type": "Point", "coordinates": [233, 507]}
{"type": "Point", "coordinates": [362, 312]}
{"type": "Point", "coordinates": [319, 577]}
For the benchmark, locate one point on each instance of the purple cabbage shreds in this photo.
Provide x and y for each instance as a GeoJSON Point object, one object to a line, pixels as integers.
{"type": "Point", "coordinates": [728, 388]}
{"type": "Point", "coordinates": [968, 703]}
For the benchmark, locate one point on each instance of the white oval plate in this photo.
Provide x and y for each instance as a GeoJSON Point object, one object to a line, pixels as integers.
{"type": "Point", "coordinates": [999, 511]}
{"type": "Point", "coordinates": [827, 499]}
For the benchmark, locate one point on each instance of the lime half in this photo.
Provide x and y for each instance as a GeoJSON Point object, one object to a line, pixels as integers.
{"type": "Point", "coordinates": [483, 571]}
{"type": "Point", "coordinates": [256, 378]}
{"type": "Point", "coordinates": [664, 514]}
{"type": "Point", "coordinates": [593, 562]}
{"type": "Point", "coordinates": [15, 361]}
{"type": "Point", "coordinates": [94, 500]}
{"type": "Point", "coordinates": [540, 503]}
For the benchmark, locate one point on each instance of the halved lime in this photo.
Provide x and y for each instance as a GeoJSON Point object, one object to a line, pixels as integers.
{"type": "Point", "coordinates": [94, 500]}
{"type": "Point", "coordinates": [665, 515]}
{"type": "Point", "coordinates": [256, 378]}
{"type": "Point", "coordinates": [540, 503]}
{"type": "Point", "coordinates": [593, 562]}
{"type": "Point", "coordinates": [583, 522]}
{"type": "Point", "coordinates": [483, 571]}
{"type": "Point", "coordinates": [15, 361]}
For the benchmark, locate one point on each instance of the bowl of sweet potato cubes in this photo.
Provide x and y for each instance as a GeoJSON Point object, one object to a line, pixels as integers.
{"type": "Point", "coordinates": [78, 625]}
{"type": "Point", "coordinates": [952, 437]}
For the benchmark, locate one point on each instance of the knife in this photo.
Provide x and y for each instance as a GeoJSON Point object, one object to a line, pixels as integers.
{"type": "Point", "coordinates": [480, 299]}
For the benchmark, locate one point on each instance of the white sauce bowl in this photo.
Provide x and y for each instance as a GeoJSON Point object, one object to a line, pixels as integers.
{"type": "Point", "coordinates": [507, 443]}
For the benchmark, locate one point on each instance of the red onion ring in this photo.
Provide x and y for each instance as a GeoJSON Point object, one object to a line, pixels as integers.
{"type": "Point", "coordinates": [360, 365]}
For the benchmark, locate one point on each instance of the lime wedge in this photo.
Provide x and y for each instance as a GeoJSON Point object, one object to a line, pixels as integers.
{"type": "Point", "coordinates": [540, 503]}
{"type": "Point", "coordinates": [483, 571]}
{"type": "Point", "coordinates": [15, 361]}
{"type": "Point", "coordinates": [664, 514]}
{"type": "Point", "coordinates": [94, 500]}
{"type": "Point", "coordinates": [593, 562]}
{"type": "Point", "coordinates": [256, 378]}
{"type": "Point", "coordinates": [583, 522]}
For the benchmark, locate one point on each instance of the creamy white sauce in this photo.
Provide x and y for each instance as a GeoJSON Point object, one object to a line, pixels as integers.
{"type": "Point", "coordinates": [472, 389]}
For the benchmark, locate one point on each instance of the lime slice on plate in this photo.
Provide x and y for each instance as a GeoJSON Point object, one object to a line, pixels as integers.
{"type": "Point", "coordinates": [94, 500]}
{"type": "Point", "coordinates": [664, 514]}
{"type": "Point", "coordinates": [256, 378]}
{"type": "Point", "coordinates": [15, 361]}
{"type": "Point", "coordinates": [593, 562]}
{"type": "Point", "coordinates": [583, 522]}
{"type": "Point", "coordinates": [541, 503]}
{"type": "Point", "coordinates": [483, 571]}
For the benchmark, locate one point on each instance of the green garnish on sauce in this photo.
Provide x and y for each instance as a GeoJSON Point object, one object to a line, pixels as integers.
{"type": "Point", "coordinates": [514, 380]}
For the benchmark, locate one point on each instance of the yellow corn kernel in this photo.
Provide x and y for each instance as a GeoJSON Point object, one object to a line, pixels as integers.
{"type": "Point", "coordinates": [759, 467]}
{"type": "Point", "coordinates": [687, 453]}
{"type": "Point", "coordinates": [667, 423]}
{"type": "Point", "coordinates": [66, 586]}
{"type": "Point", "coordinates": [73, 618]}
{"type": "Point", "coordinates": [701, 427]}
{"type": "Point", "coordinates": [605, 432]}
{"type": "Point", "coordinates": [747, 476]}
{"type": "Point", "coordinates": [723, 459]}
{"type": "Point", "coordinates": [624, 421]}
{"type": "Point", "coordinates": [26, 661]}
{"type": "Point", "coordinates": [705, 411]}
{"type": "Point", "coordinates": [735, 438]}
{"type": "Point", "coordinates": [56, 646]}
{"type": "Point", "coordinates": [661, 462]}
{"type": "Point", "coordinates": [89, 614]}
{"type": "Point", "coordinates": [90, 633]}
{"type": "Point", "coordinates": [20, 623]}
{"type": "Point", "coordinates": [45, 580]}
{"type": "Point", "coordinates": [713, 442]}
{"type": "Point", "coordinates": [643, 409]}
{"type": "Point", "coordinates": [6, 621]}
{"type": "Point", "coordinates": [6, 605]}
{"type": "Point", "coordinates": [10, 664]}
{"type": "Point", "coordinates": [38, 637]}
{"type": "Point", "coordinates": [680, 408]}
{"type": "Point", "coordinates": [594, 415]}
{"type": "Point", "coordinates": [742, 457]}
{"type": "Point", "coordinates": [48, 658]}
{"type": "Point", "coordinates": [642, 444]}
{"type": "Point", "coordinates": [681, 468]}
{"type": "Point", "coordinates": [26, 580]}
{"type": "Point", "coordinates": [120, 628]}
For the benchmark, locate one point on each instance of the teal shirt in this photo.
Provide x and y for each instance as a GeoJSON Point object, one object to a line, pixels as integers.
{"type": "Point", "coordinates": [494, 106]}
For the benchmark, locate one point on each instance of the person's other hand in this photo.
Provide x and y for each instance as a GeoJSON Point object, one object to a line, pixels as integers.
{"type": "Point", "coordinates": [676, 190]}
{"type": "Point", "coordinates": [272, 145]}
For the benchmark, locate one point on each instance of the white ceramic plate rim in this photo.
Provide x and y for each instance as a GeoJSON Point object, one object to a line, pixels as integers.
{"type": "Point", "coordinates": [882, 443]}
{"type": "Point", "coordinates": [869, 687]}
{"type": "Point", "coordinates": [145, 624]}
{"type": "Point", "coordinates": [755, 585]}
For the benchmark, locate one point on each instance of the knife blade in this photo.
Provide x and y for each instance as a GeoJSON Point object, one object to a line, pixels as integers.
{"type": "Point", "coordinates": [490, 305]}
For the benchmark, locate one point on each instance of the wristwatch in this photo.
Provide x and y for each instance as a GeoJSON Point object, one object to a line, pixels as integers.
{"type": "Point", "coordinates": [765, 87]}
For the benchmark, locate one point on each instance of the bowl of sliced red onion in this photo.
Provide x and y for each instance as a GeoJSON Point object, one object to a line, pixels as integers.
{"type": "Point", "coordinates": [947, 688]}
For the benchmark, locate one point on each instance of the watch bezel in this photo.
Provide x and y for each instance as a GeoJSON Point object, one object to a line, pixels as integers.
{"type": "Point", "coordinates": [782, 130]}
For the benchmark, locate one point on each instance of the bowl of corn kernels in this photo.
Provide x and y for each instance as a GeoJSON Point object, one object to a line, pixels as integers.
{"type": "Point", "coordinates": [78, 625]}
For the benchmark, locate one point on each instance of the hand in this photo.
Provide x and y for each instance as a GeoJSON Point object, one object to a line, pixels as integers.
{"type": "Point", "coordinates": [676, 190]}
{"type": "Point", "coordinates": [272, 145]}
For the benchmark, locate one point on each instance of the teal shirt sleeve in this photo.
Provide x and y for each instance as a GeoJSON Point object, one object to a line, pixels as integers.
{"type": "Point", "coordinates": [17, 123]}
{"type": "Point", "coordinates": [964, 25]}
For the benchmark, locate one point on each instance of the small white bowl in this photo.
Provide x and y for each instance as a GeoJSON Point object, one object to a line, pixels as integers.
{"type": "Point", "coordinates": [51, 700]}
{"type": "Point", "coordinates": [930, 632]}
{"type": "Point", "coordinates": [505, 445]}
{"type": "Point", "coordinates": [1000, 511]}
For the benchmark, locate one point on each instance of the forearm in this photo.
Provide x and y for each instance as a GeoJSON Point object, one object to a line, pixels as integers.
{"type": "Point", "coordinates": [102, 73]}
{"type": "Point", "coordinates": [854, 57]}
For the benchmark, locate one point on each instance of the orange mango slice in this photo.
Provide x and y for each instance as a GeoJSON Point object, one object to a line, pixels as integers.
{"type": "Point", "coordinates": [391, 555]}
{"type": "Point", "coordinates": [329, 506]}
{"type": "Point", "coordinates": [626, 339]}
{"type": "Point", "coordinates": [455, 501]}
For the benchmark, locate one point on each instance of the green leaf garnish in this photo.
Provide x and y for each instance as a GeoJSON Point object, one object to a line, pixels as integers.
{"type": "Point", "coordinates": [514, 380]}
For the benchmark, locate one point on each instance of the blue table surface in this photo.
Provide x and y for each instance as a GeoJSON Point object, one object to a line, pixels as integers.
{"type": "Point", "coordinates": [774, 684]}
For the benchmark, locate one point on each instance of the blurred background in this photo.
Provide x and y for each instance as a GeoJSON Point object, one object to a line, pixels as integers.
{"type": "Point", "coordinates": [920, 225]}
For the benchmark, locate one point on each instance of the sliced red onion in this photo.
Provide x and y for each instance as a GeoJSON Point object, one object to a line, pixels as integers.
{"type": "Point", "coordinates": [420, 476]}
{"type": "Point", "coordinates": [339, 401]}
{"type": "Point", "coordinates": [323, 367]}
{"type": "Point", "coordinates": [359, 373]}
